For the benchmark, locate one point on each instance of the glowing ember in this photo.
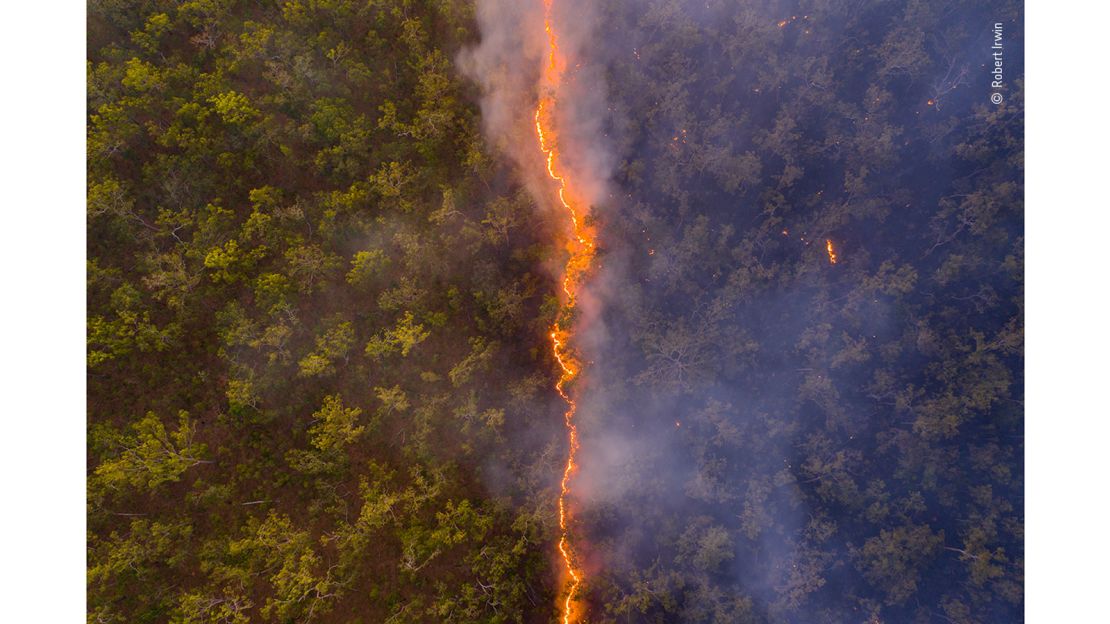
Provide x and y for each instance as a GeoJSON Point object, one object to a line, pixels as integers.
{"type": "Point", "coordinates": [580, 246]}
{"type": "Point", "coordinates": [832, 252]}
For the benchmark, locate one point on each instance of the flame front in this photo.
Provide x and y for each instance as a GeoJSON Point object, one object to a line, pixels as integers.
{"type": "Point", "coordinates": [580, 247]}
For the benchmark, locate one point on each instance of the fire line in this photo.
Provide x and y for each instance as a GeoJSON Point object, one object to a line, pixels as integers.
{"type": "Point", "coordinates": [580, 246]}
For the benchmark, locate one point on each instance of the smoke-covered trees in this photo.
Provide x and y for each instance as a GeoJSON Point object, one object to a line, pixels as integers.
{"type": "Point", "coordinates": [854, 429]}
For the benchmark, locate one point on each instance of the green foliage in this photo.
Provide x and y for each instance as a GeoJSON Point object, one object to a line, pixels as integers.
{"type": "Point", "coordinates": [129, 329]}
{"type": "Point", "coordinates": [286, 559]}
{"type": "Point", "coordinates": [234, 108]}
{"type": "Point", "coordinates": [335, 425]}
{"type": "Point", "coordinates": [151, 455]}
{"type": "Point", "coordinates": [137, 553]}
{"type": "Point", "coordinates": [402, 338]}
{"type": "Point", "coordinates": [261, 180]}
{"type": "Point", "coordinates": [366, 265]}
{"type": "Point", "coordinates": [332, 345]}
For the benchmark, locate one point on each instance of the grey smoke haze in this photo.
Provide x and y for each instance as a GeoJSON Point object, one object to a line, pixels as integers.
{"type": "Point", "coordinates": [728, 405]}
{"type": "Point", "coordinates": [633, 454]}
{"type": "Point", "coordinates": [506, 65]}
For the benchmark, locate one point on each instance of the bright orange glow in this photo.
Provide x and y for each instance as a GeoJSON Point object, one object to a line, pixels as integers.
{"type": "Point", "coordinates": [832, 252]}
{"type": "Point", "coordinates": [580, 247]}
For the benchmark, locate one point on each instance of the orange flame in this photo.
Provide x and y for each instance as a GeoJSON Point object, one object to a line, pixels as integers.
{"type": "Point", "coordinates": [832, 253]}
{"type": "Point", "coordinates": [580, 246]}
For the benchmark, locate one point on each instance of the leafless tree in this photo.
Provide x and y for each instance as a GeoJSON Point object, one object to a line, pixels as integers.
{"type": "Point", "coordinates": [954, 78]}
